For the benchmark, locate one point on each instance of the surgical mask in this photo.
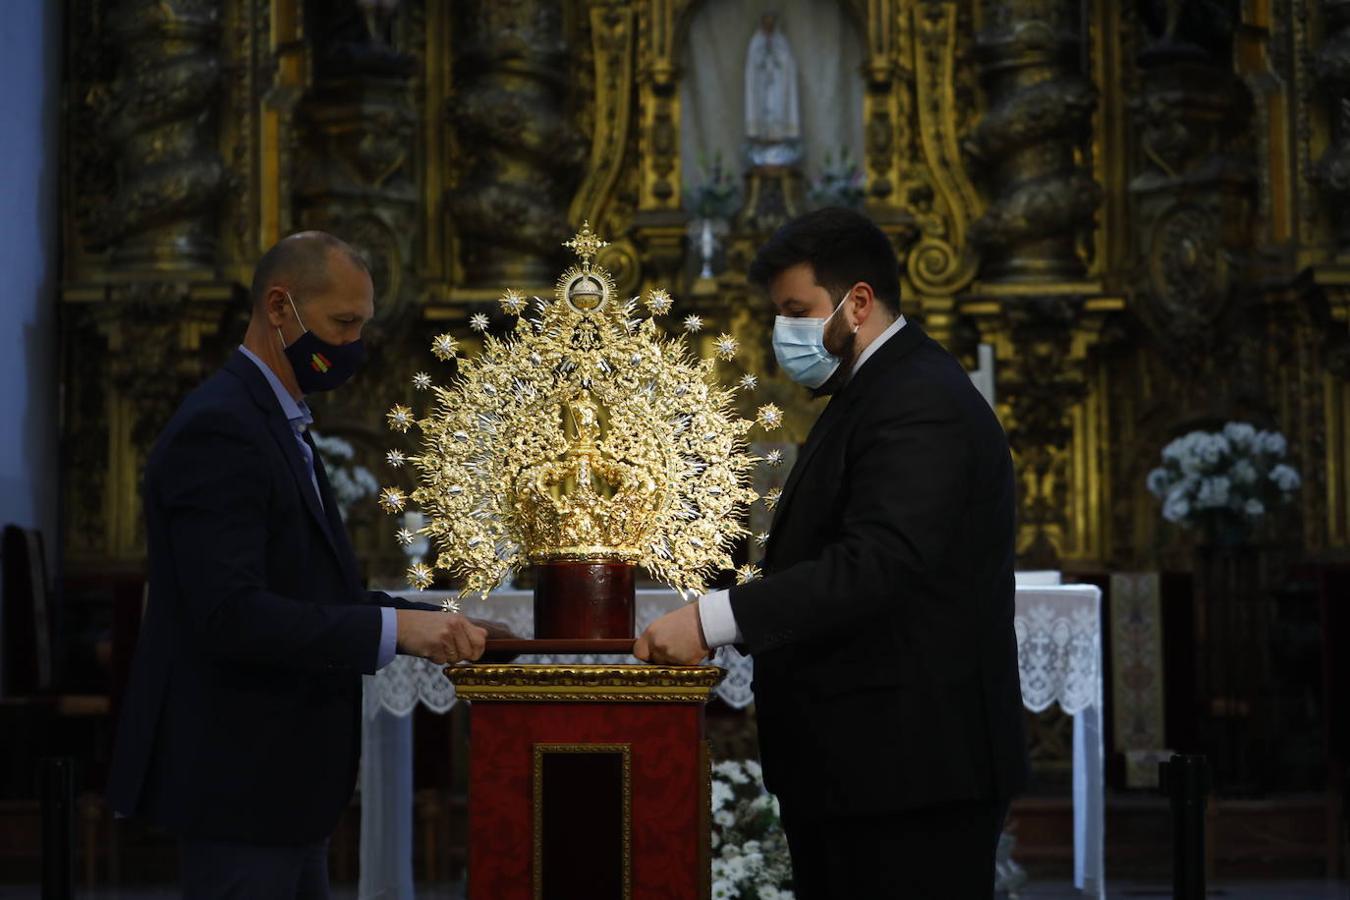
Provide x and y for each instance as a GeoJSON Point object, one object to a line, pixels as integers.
{"type": "Point", "coordinates": [799, 346]}
{"type": "Point", "coordinates": [319, 365]}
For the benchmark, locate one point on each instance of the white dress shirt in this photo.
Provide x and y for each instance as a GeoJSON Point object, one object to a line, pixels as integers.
{"type": "Point", "coordinates": [714, 609]}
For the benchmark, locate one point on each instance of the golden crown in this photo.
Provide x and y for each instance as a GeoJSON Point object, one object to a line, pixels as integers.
{"type": "Point", "coordinates": [584, 434]}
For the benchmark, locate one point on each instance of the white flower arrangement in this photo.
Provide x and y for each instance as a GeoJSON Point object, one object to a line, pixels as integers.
{"type": "Point", "coordinates": [750, 852]}
{"type": "Point", "coordinates": [351, 483]}
{"type": "Point", "coordinates": [1233, 475]}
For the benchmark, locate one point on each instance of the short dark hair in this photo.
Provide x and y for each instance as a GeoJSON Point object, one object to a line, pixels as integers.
{"type": "Point", "coordinates": [842, 247]}
{"type": "Point", "coordinates": [301, 259]}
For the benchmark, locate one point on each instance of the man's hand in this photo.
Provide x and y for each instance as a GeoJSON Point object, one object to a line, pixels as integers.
{"type": "Point", "coordinates": [496, 631]}
{"type": "Point", "coordinates": [438, 636]}
{"type": "Point", "coordinates": [674, 639]}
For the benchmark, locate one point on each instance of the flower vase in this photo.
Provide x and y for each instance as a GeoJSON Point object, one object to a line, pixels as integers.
{"type": "Point", "coordinates": [1225, 530]}
{"type": "Point", "coordinates": [1232, 619]}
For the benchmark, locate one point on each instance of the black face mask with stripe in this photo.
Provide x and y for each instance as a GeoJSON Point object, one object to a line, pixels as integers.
{"type": "Point", "coordinates": [319, 365]}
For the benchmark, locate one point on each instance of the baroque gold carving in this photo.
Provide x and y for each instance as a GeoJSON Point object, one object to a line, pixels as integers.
{"type": "Point", "coordinates": [520, 154]}
{"type": "Point", "coordinates": [941, 263]}
{"type": "Point", "coordinates": [157, 341]}
{"type": "Point", "coordinates": [1332, 70]}
{"type": "Point", "coordinates": [1188, 271]}
{"type": "Point", "coordinates": [1042, 379]}
{"type": "Point", "coordinates": [159, 115]}
{"type": "Point", "coordinates": [659, 23]}
{"type": "Point", "coordinates": [455, 142]}
{"type": "Point", "coordinates": [357, 125]}
{"type": "Point", "coordinates": [1194, 191]}
{"type": "Point", "coordinates": [1040, 108]}
{"type": "Point", "coordinates": [585, 683]}
{"type": "Point", "coordinates": [613, 42]}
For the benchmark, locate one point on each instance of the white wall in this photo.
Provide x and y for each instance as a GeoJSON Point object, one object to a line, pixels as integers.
{"type": "Point", "coordinates": [30, 92]}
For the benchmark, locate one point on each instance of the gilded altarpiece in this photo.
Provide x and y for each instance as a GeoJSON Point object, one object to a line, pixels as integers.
{"type": "Point", "coordinates": [1141, 206]}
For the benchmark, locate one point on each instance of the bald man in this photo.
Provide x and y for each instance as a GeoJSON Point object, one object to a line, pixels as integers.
{"type": "Point", "coordinates": [240, 729]}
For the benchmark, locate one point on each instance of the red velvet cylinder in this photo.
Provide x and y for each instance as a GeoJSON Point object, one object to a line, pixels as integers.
{"type": "Point", "coordinates": [583, 600]}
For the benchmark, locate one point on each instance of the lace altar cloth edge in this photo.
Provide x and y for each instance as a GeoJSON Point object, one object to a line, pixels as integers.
{"type": "Point", "coordinates": [1058, 651]}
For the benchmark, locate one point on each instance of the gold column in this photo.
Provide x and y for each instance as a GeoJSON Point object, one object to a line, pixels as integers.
{"type": "Point", "coordinates": [1331, 175]}
{"type": "Point", "coordinates": [1041, 199]}
{"type": "Point", "coordinates": [355, 173]}
{"type": "Point", "coordinates": [161, 215]}
{"type": "Point", "coordinates": [521, 156]}
{"type": "Point", "coordinates": [143, 303]}
{"type": "Point", "coordinates": [1033, 300]}
{"type": "Point", "coordinates": [1332, 68]}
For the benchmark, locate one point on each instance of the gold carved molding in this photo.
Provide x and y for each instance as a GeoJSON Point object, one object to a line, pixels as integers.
{"type": "Point", "coordinates": [613, 42]}
{"type": "Point", "coordinates": [585, 683]}
{"type": "Point", "coordinates": [940, 263]}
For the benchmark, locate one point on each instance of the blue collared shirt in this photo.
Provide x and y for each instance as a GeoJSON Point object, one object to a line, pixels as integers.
{"type": "Point", "coordinates": [298, 415]}
{"type": "Point", "coordinates": [296, 412]}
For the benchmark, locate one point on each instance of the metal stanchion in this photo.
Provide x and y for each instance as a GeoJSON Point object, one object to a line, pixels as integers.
{"type": "Point", "coordinates": [1186, 781]}
{"type": "Point", "coordinates": [57, 785]}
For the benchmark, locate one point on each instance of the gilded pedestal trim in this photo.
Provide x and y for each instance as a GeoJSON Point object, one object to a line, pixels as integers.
{"type": "Point", "coordinates": [586, 683]}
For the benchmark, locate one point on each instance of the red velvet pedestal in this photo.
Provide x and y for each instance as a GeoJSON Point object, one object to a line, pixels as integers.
{"type": "Point", "coordinates": [587, 781]}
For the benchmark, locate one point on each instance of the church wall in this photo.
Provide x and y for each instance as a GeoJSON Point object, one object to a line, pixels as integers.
{"type": "Point", "coordinates": [30, 65]}
{"type": "Point", "coordinates": [1115, 203]}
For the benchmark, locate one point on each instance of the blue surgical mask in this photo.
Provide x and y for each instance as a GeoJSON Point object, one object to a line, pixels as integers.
{"type": "Point", "coordinates": [799, 345]}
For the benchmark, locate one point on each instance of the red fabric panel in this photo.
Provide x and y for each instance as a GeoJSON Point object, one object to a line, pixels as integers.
{"type": "Point", "coordinates": [667, 787]}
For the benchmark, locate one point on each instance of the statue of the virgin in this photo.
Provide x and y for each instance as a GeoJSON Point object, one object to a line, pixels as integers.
{"type": "Point", "coordinates": [772, 116]}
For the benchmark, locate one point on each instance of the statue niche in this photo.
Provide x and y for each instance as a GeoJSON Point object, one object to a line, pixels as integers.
{"type": "Point", "coordinates": [775, 96]}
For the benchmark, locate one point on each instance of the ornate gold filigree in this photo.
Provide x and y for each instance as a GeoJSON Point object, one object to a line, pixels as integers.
{"type": "Point", "coordinates": [585, 434]}
{"type": "Point", "coordinates": [586, 683]}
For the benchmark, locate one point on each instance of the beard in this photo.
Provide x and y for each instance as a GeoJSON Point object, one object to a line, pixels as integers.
{"type": "Point", "coordinates": [845, 343]}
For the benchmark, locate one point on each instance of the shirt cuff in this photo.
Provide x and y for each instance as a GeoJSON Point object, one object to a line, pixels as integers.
{"type": "Point", "coordinates": [719, 624]}
{"type": "Point", "coordinates": [388, 637]}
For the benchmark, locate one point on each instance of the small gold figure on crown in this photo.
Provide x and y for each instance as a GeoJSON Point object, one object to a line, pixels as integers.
{"type": "Point", "coordinates": [597, 506]}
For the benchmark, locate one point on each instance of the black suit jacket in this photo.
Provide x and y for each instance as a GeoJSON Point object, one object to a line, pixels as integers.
{"type": "Point", "coordinates": [882, 631]}
{"type": "Point", "coordinates": [241, 720]}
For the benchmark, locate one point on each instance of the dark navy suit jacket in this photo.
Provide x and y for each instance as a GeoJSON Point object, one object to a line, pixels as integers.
{"type": "Point", "coordinates": [241, 720]}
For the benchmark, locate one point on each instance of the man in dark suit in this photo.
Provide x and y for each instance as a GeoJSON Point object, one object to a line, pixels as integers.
{"type": "Point", "coordinates": [886, 685]}
{"type": "Point", "coordinates": [240, 730]}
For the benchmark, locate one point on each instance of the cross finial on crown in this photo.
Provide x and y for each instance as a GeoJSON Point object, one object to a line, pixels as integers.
{"type": "Point", "coordinates": [586, 243]}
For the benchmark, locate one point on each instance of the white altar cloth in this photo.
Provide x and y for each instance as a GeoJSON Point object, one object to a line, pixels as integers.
{"type": "Point", "coordinates": [1059, 656]}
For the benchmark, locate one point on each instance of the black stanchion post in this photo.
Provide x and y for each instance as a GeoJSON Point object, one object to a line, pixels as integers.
{"type": "Point", "coordinates": [58, 828]}
{"type": "Point", "coordinates": [1185, 779]}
